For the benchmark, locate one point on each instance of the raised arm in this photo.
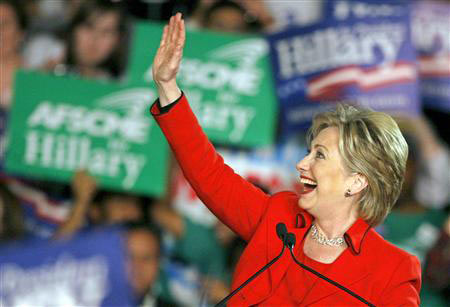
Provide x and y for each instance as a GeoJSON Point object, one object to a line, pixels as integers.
{"type": "Point", "coordinates": [84, 188]}
{"type": "Point", "coordinates": [167, 60]}
{"type": "Point", "coordinates": [236, 202]}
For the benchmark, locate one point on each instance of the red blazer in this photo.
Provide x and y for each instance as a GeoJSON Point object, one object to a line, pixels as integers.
{"type": "Point", "coordinates": [371, 267]}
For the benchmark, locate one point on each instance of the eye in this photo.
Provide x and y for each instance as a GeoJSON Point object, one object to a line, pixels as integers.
{"type": "Point", "coordinates": [320, 155]}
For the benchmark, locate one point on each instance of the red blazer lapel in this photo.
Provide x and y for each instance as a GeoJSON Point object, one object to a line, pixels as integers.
{"type": "Point", "coordinates": [295, 223]}
{"type": "Point", "coordinates": [278, 270]}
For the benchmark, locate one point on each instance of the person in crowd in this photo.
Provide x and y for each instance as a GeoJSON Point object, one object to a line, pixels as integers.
{"type": "Point", "coordinates": [121, 207]}
{"type": "Point", "coordinates": [144, 254]}
{"type": "Point", "coordinates": [95, 49]}
{"type": "Point", "coordinates": [11, 217]}
{"type": "Point", "coordinates": [350, 179]}
{"type": "Point", "coordinates": [228, 16]}
{"type": "Point", "coordinates": [12, 32]}
{"type": "Point", "coordinates": [438, 263]}
{"type": "Point", "coordinates": [238, 16]}
{"type": "Point", "coordinates": [95, 43]}
{"type": "Point", "coordinates": [413, 226]}
{"type": "Point", "coordinates": [84, 188]}
{"type": "Point", "coordinates": [99, 208]}
{"type": "Point", "coordinates": [95, 46]}
{"type": "Point", "coordinates": [432, 162]}
{"type": "Point", "coordinates": [45, 205]}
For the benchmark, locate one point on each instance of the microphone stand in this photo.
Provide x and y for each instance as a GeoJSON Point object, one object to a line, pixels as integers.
{"type": "Point", "coordinates": [281, 231]}
{"type": "Point", "coordinates": [290, 242]}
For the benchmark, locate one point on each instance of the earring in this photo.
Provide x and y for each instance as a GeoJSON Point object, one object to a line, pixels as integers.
{"type": "Point", "coordinates": [347, 193]}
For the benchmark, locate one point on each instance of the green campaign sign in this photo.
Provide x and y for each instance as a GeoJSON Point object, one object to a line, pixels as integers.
{"type": "Point", "coordinates": [60, 124]}
{"type": "Point", "coordinates": [227, 79]}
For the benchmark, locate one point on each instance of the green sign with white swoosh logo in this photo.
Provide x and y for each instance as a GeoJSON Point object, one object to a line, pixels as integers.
{"type": "Point", "coordinates": [227, 79]}
{"type": "Point", "coordinates": [61, 124]}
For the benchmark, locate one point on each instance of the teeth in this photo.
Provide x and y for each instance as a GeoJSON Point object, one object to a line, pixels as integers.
{"type": "Point", "coordinates": [307, 181]}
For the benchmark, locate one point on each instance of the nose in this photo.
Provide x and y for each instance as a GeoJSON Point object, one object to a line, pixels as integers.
{"type": "Point", "coordinates": [303, 164]}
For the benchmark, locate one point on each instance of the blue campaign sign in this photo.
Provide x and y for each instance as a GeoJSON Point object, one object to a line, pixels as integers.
{"type": "Point", "coordinates": [368, 61]}
{"type": "Point", "coordinates": [365, 9]}
{"type": "Point", "coordinates": [431, 36]}
{"type": "Point", "coordinates": [88, 270]}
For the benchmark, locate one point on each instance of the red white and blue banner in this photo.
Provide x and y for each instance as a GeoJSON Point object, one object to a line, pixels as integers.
{"type": "Point", "coordinates": [366, 59]}
{"type": "Point", "coordinates": [88, 270]}
{"type": "Point", "coordinates": [431, 37]}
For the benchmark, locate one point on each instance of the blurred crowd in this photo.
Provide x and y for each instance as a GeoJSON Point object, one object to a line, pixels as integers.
{"type": "Point", "coordinates": [178, 255]}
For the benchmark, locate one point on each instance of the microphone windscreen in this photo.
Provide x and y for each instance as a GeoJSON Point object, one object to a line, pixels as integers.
{"type": "Point", "coordinates": [281, 231]}
{"type": "Point", "coordinates": [290, 240]}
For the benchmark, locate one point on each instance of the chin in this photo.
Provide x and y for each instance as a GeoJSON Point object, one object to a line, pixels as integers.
{"type": "Point", "coordinates": [305, 205]}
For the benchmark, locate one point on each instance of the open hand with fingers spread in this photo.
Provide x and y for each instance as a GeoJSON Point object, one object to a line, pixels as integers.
{"type": "Point", "coordinates": [167, 60]}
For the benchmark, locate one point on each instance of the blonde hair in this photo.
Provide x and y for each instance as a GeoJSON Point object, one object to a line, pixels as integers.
{"type": "Point", "coordinates": [370, 144]}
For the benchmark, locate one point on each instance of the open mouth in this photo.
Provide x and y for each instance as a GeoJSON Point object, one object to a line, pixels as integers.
{"type": "Point", "coordinates": [308, 184]}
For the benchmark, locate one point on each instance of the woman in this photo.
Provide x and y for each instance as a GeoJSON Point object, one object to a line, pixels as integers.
{"type": "Point", "coordinates": [96, 43]}
{"type": "Point", "coordinates": [350, 179]}
{"type": "Point", "coordinates": [12, 32]}
{"type": "Point", "coordinates": [94, 46]}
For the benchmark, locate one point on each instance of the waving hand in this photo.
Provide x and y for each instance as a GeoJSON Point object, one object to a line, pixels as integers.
{"type": "Point", "coordinates": [167, 60]}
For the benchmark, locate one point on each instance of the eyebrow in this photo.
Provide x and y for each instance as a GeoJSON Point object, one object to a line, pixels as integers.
{"type": "Point", "coordinates": [319, 145]}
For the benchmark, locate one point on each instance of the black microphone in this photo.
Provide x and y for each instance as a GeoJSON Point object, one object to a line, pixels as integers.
{"type": "Point", "coordinates": [281, 233]}
{"type": "Point", "coordinates": [290, 242]}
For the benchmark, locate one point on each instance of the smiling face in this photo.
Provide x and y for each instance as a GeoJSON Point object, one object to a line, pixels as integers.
{"type": "Point", "coordinates": [323, 177]}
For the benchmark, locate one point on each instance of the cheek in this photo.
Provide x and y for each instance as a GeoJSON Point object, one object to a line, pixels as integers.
{"type": "Point", "coordinates": [329, 181]}
{"type": "Point", "coordinates": [11, 37]}
{"type": "Point", "coordinates": [147, 273]}
{"type": "Point", "coordinates": [82, 40]}
{"type": "Point", "coordinates": [106, 46]}
{"type": "Point", "coordinates": [116, 214]}
{"type": "Point", "coordinates": [132, 212]}
{"type": "Point", "coordinates": [9, 31]}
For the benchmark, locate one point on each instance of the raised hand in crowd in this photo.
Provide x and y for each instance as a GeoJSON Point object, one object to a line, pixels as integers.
{"type": "Point", "coordinates": [84, 188]}
{"type": "Point", "coordinates": [422, 130]}
{"type": "Point", "coordinates": [433, 178]}
{"type": "Point", "coordinates": [167, 60]}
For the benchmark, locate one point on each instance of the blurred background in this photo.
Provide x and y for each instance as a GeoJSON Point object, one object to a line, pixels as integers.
{"type": "Point", "coordinates": [94, 210]}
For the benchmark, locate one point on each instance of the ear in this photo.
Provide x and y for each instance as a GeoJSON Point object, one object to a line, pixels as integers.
{"type": "Point", "coordinates": [359, 183]}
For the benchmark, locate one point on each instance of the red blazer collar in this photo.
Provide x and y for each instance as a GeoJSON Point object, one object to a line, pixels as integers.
{"type": "Point", "coordinates": [354, 236]}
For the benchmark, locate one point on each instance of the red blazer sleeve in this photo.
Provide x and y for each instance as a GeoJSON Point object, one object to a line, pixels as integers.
{"type": "Point", "coordinates": [404, 286]}
{"type": "Point", "coordinates": [236, 202]}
